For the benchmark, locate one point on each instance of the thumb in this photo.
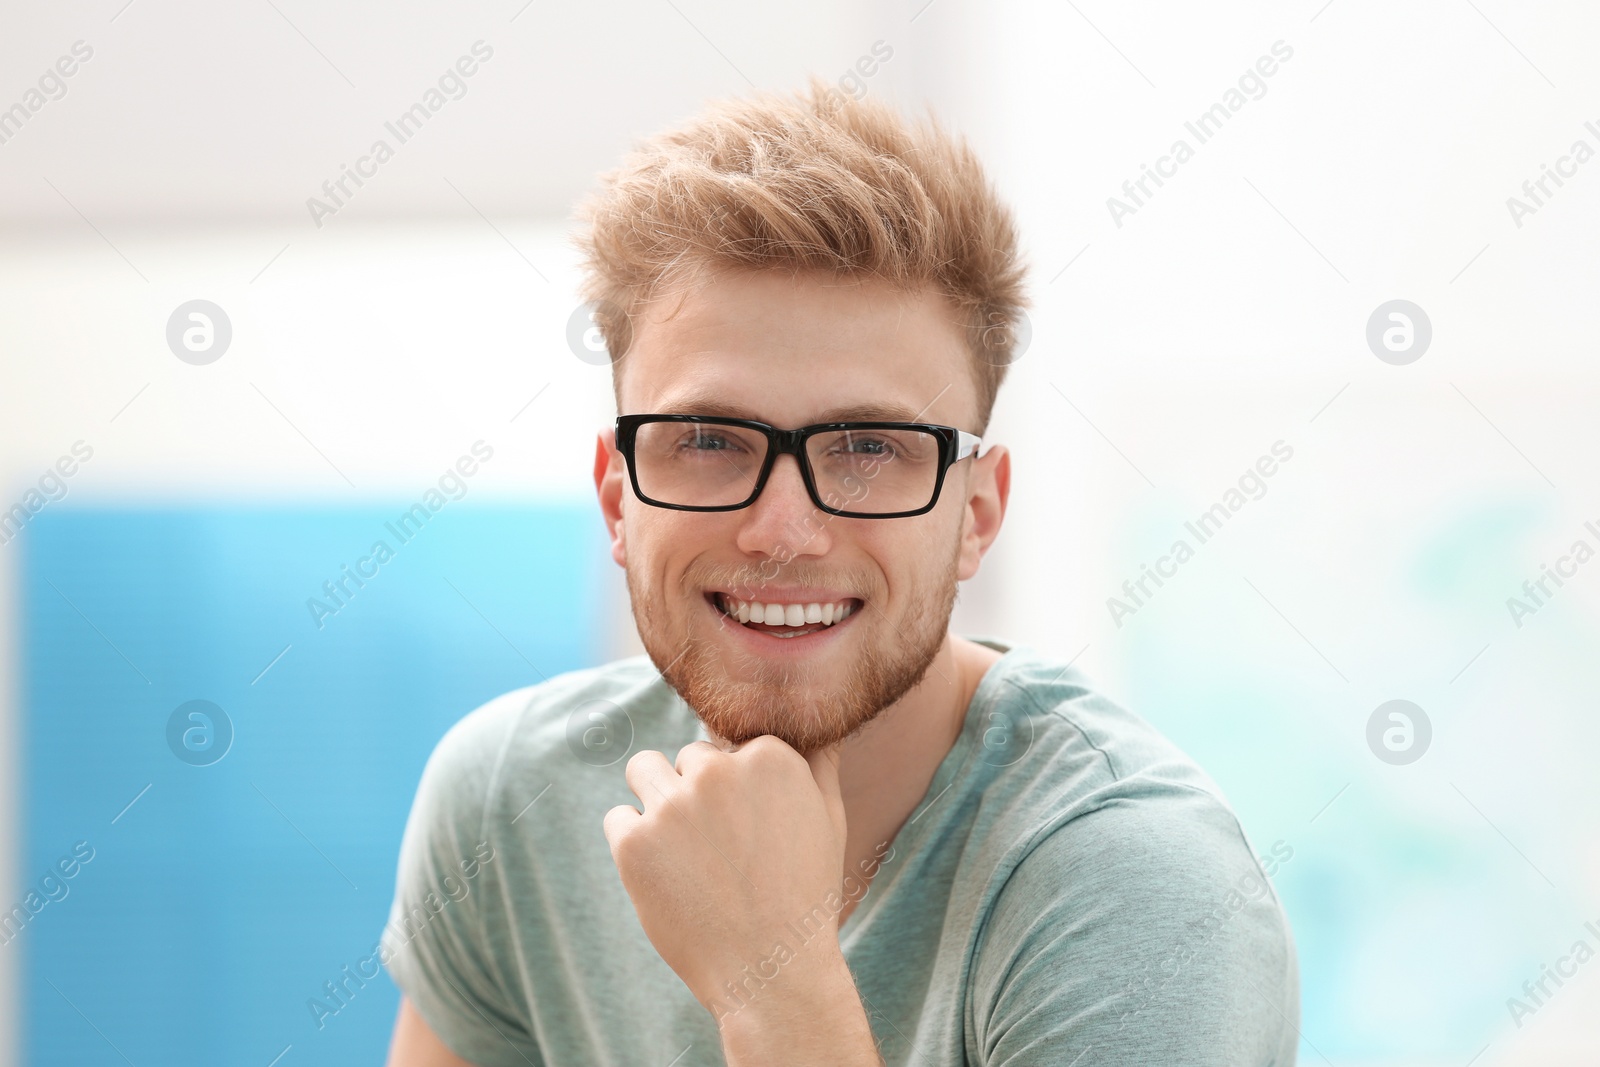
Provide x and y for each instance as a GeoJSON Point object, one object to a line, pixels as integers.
{"type": "Point", "coordinates": [825, 770]}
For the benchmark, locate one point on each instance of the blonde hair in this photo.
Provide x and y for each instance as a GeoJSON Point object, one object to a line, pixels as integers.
{"type": "Point", "coordinates": [817, 181]}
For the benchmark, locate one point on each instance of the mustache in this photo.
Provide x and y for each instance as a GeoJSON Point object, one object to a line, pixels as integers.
{"type": "Point", "coordinates": [744, 580]}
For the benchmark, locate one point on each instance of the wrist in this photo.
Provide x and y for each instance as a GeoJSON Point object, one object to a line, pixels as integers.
{"type": "Point", "coordinates": [793, 983]}
{"type": "Point", "coordinates": [788, 975]}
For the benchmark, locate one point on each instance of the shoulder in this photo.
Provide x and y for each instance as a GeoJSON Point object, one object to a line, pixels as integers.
{"type": "Point", "coordinates": [1163, 857]}
{"type": "Point", "coordinates": [1103, 801]}
{"type": "Point", "coordinates": [1046, 713]}
{"type": "Point", "coordinates": [1050, 753]}
{"type": "Point", "coordinates": [1132, 893]}
{"type": "Point", "coordinates": [1147, 928]}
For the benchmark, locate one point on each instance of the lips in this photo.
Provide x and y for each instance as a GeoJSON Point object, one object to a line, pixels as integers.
{"type": "Point", "coordinates": [785, 618]}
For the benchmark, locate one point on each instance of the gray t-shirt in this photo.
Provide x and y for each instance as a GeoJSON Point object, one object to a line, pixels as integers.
{"type": "Point", "coordinates": [1070, 881]}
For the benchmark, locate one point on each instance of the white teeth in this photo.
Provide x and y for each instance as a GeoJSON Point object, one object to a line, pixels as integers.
{"type": "Point", "coordinates": [753, 611]}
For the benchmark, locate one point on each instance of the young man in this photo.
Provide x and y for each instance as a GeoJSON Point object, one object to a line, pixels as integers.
{"type": "Point", "coordinates": [840, 831]}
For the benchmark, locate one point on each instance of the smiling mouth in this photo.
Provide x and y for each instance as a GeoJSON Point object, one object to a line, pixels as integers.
{"type": "Point", "coordinates": [784, 620]}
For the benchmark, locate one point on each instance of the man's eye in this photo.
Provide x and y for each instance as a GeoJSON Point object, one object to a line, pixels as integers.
{"type": "Point", "coordinates": [867, 446]}
{"type": "Point", "coordinates": [705, 442]}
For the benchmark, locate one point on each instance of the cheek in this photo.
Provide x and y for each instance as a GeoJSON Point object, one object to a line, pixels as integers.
{"type": "Point", "coordinates": [644, 538]}
{"type": "Point", "coordinates": [654, 532]}
{"type": "Point", "coordinates": [940, 549]}
{"type": "Point", "coordinates": [663, 545]}
{"type": "Point", "coordinates": [906, 553]}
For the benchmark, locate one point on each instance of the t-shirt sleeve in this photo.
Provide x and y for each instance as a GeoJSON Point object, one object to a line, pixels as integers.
{"type": "Point", "coordinates": [439, 944]}
{"type": "Point", "coordinates": [1146, 931]}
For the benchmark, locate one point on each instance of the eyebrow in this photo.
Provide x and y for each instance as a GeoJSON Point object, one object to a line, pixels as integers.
{"type": "Point", "coordinates": [716, 408]}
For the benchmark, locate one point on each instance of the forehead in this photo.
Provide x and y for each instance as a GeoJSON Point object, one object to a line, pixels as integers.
{"type": "Point", "coordinates": [794, 349]}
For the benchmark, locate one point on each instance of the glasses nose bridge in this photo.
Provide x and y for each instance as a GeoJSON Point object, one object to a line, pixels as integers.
{"type": "Point", "coordinates": [788, 443]}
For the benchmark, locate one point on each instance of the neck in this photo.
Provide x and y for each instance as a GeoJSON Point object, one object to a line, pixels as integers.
{"type": "Point", "coordinates": [884, 769]}
{"type": "Point", "coordinates": [929, 715]}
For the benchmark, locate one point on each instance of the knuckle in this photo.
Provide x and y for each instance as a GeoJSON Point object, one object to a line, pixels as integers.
{"type": "Point", "coordinates": [716, 769]}
{"type": "Point", "coordinates": [770, 749]}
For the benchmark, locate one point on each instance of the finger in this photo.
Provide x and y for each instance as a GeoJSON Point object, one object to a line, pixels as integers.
{"type": "Point", "coordinates": [649, 774]}
{"type": "Point", "coordinates": [617, 822]}
{"type": "Point", "coordinates": [696, 754]}
{"type": "Point", "coordinates": [824, 765]}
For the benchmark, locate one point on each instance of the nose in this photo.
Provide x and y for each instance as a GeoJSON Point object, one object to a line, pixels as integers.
{"type": "Point", "coordinates": [784, 522]}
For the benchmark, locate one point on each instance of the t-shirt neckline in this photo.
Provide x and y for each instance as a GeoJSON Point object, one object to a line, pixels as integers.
{"type": "Point", "coordinates": [944, 778]}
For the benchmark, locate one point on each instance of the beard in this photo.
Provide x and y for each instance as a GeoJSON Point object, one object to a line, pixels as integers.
{"type": "Point", "coordinates": [809, 707]}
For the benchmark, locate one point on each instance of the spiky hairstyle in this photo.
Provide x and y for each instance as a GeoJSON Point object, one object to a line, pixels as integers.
{"type": "Point", "coordinates": [817, 181]}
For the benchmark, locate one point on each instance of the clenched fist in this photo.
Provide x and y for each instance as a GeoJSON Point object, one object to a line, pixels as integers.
{"type": "Point", "coordinates": [733, 856]}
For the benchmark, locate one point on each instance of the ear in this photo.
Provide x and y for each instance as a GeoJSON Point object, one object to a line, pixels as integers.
{"type": "Point", "coordinates": [988, 489]}
{"type": "Point", "coordinates": [609, 479]}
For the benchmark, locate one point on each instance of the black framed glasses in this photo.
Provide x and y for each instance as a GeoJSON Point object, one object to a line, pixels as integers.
{"type": "Point", "coordinates": [862, 470]}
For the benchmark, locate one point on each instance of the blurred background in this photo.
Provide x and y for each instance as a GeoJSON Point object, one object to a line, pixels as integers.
{"type": "Point", "coordinates": [1375, 252]}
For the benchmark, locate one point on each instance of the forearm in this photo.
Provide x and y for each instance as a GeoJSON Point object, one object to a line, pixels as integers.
{"type": "Point", "coordinates": [809, 1015]}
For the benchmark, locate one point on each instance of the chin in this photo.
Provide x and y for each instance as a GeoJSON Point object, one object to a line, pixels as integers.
{"type": "Point", "coordinates": [807, 701]}
{"type": "Point", "coordinates": [811, 684]}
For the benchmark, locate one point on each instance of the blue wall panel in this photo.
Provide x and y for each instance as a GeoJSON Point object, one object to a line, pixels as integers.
{"type": "Point", "coordinates": [220, 902]}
